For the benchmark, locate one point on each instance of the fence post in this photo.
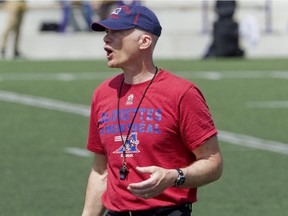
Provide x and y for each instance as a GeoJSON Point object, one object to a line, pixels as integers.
{"type": "Point", "coordinates": [268, 16]}
{"type": "Point", "coordinates": [205, 20]}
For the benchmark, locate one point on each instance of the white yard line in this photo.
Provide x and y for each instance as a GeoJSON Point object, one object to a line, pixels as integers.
{"type": "Point", "coordinates": [78, 152]}
{"type": "Point", "coordinates": [211, 75]}
{"type": "Point", "coordinates": [267, 104]}
{"type": "Point", "coordinates": [253, 142]}
{"type": "Point", "coordinates": [83, 110]}
{"type": "Point", "coordinates": [45, 103]}
{"type": "Point", "coordinates": [214, 75]}
{"type": "Point", "coordinates": [55, 76]}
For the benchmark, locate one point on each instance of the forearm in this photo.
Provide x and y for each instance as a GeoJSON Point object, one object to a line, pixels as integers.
{"type": "Point", "coordinates": [207, 167]}
{"type": "Point", "coordinates": [93, 200]}
{"type": "Point", "coordinates": [203, 171]}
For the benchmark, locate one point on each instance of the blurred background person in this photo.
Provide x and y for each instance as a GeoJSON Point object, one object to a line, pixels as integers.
{"type": "Point", "coordinates": [15, 12]}
{"type": "Point", "coordinates": [225, 32]}
{"type": "Point", "coordinates": [129, 2]}
{"type": "Point", "coordinates": [105, 7]}
{"type": "Point", "coordinates": [70, 19]}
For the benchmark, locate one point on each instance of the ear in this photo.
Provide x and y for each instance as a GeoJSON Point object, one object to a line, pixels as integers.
{"type": "Point", "coordinates": [145, 41]}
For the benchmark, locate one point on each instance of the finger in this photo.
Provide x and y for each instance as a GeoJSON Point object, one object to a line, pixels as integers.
{"type": "Point", "coordinates": [148, 183]}
{"type": "Point", "coordinates": [140, 191]}
{"type": "Point", "coordinates": [149, 169]}
{"type": "Point", "coordinates": [147, 193]}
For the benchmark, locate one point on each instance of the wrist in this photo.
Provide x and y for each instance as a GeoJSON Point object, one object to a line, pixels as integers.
{"type": "Point", "coordinates": [180, 179]}
{"type": "Point", "coordinates": [173, 174]}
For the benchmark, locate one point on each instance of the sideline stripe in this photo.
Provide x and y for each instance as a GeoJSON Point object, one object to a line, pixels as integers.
{"type": "Point", "coordinates": [83, 110]}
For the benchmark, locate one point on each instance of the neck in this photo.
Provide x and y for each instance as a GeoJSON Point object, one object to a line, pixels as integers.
{"type": "Point", "coordinates": [134, 76]}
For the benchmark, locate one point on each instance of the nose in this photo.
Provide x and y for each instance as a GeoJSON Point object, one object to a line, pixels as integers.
{"type": "Point", "coordinates": [107, 38]}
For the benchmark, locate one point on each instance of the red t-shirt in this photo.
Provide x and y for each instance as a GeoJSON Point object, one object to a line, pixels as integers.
{"type": "Point", "coordinates": [172, 121]}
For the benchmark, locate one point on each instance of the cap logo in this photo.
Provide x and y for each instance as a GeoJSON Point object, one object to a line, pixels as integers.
{"type": "Point", "coordinates": [116, 11]}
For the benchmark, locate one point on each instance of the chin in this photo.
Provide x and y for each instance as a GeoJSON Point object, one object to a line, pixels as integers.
{"type": "Point", "coordinates": [110, 64]}
{"type": "Point", "coordinates": [113, 65]}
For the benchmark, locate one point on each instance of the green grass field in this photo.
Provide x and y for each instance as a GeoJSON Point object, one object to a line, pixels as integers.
{"type": "Point", "coordinates": [38, 177]}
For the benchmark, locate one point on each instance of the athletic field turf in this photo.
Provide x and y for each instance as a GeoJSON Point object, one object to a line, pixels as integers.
{"type": "Point", "coordinates": [44, 108]}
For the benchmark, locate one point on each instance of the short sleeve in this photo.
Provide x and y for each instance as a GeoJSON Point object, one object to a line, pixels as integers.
{"type": "Point", "coordinates": [94, 141]}
{"type": "Point", "coordinates": [196, 123]}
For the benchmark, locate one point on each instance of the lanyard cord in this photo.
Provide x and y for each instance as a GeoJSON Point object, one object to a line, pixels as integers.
{"type": "Point", "coordinates": [118, 115]}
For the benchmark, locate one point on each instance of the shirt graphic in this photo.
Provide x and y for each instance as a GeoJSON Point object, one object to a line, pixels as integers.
{"type": "Point", "coordinates": [130, 145]}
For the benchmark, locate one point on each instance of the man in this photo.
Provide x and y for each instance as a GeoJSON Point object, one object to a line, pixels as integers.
{"type": "Point", "coordinates": [152, 134]}
{"type": "Point", "coordinates": [15, 10]}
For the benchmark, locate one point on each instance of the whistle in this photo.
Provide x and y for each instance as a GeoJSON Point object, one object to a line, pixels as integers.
{"type": "Point", "coordinates": [123, 172]}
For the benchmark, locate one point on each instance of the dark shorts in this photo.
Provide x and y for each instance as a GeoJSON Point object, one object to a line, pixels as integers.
{"type": "Point", "coordinates": [181, 210]}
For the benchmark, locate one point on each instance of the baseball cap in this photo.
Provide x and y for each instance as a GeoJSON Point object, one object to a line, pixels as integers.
{"type": "Point", "coordinates": [128, 17]}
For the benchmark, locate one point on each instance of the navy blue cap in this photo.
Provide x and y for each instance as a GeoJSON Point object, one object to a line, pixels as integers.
{"type": "Point", "coordinates": [128, 17]}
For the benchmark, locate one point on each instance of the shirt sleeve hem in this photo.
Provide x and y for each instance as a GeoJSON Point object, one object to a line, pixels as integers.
{"type": "Point", "coordinates": [95, 150]}
{"type": "Point", "coordinates": [202, 140]}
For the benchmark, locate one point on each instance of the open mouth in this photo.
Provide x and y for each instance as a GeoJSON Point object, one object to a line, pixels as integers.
{"type": "Point", "coordinates": [108, 52]}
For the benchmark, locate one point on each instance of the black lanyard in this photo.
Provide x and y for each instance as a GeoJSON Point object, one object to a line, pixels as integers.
{"type": "Point", "coordinates": [124, 170]}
